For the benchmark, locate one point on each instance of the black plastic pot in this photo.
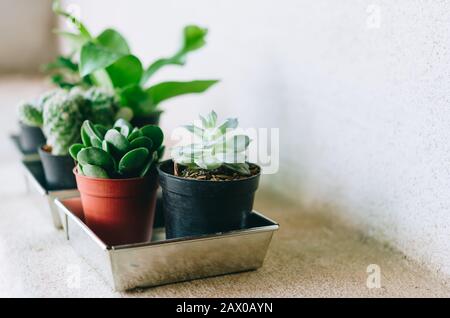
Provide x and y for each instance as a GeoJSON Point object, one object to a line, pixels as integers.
{"type": "Point", "coordinates": [152, 119]}
{"type": "Point", "coordinates": [196, 207]}
{"type": "Point", "coordinates": [30, 138]}
{"type": "Point", "coordinates": [58, 171]}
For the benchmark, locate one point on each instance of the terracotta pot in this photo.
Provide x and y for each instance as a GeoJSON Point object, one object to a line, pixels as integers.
{"type": "Point", "coordinates": [119, 211]}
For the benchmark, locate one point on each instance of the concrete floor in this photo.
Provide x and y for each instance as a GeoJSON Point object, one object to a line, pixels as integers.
{"type": "Point", "coordinates": [310, 256]}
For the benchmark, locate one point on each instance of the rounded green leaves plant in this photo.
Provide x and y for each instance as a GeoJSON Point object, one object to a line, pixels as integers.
{"type": "Point", "coordinates": [119, 152]}
{"type": "Point", "coordinates": [215, 145]}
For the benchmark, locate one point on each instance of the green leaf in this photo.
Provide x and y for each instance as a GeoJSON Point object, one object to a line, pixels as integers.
{"type": "Point", "coordinates": [61, 62]}
{"type": "Point", "coordinates": [146, 168]}
{"type": "Point", "coordinates": [94, 171]}
{"type": "Point", "coordinates": [125, 71]}
{"type": "Point", "coordinates": [134, 134]}
{"type": "Point", "coordinates": [142, 142]}
{"type": "Point", "coordinates": [124, 126]}
{"type": "Point", "coordinates": [96, 157]}
{"type": "Point", "coordinates": [75, 149]}
{"type": "Point", "coordinates": [137, 99]}
{"type": "Point", "coordinates": [117, 141]}
{"type": "Point", "coordinates": [101, 130]}
{"type": "Point", "coordinates": [114, 41]}
{"type": "Point", "coordinates": [193, 39]}
{"type": "Point", "coordinates": [101, 79]}
{"type": "Point", "coordinates": [133, 161]}
{"type": "Point", "coordinates": [166, 90]}
{"type": "Point", "coordinates": [160, 151]}
{"type": "Point", "coordinates": [85, 137]}
{"type": "Point", "coordinates": [57, 8]}
{"type": "Point", "coordinates": [94, 57]}
{"type": "Point", "coordinates": [155, 134]}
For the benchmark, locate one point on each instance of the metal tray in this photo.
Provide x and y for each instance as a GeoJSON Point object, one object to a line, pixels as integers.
{"type": "Point", "coordinates": [24, 156]}
{"type": "Point", "coordinates": [36, 185]}
{"type": "Point", "coordinates": [164, 261]}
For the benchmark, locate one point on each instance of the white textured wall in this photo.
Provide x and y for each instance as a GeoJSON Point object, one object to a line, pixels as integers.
{"type": "Point", "coordinates": [26, 40]}
{"type": "Point", "coordinates": [362, 103]}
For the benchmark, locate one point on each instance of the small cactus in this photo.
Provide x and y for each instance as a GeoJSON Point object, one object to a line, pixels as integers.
{"type": "Point", "coordinates": [100, 106]}
{"type": "Point", "coordinates": [62, 120]}
{"type": "Point", "coordinates": [119, 152]}
{"type": "Point", "coordinates": [30, 114]}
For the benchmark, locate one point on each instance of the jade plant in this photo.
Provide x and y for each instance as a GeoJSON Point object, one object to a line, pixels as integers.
{"type": "Point", "coordinates": [106, 60]}
{"type": "Point", "coordinates": [218, 151]}
{"type": "Point", "coordinates": [119, 152]}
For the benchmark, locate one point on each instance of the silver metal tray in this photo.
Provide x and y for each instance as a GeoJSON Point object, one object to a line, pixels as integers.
{"type": "Point", "coordinates": [164, 261]}
{"type": "Point", "coordinates": [36, 185]}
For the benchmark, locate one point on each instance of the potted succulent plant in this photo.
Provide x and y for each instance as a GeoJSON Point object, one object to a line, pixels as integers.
{"type": "Point", "coordinates": [208, 186]}
{"type": "Point", "coordinates": [31, 136]}
{"type": "Point", "coordinates": [62, 116]}
{"type": "Point", "coordinates": [117, 179]}
{"type": "Point", "coordinates": [106, 61]}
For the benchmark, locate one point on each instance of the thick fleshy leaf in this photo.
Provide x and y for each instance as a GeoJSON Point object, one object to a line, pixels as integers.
{"type": "Point", "coordinates": [230, 123]}
{"type": "Point", "coordinates": [146, 168]}
{"type": "Point", "coordinates": [155, 134]}
{"type": "Point", "coordinates": [96, 157]}
{"type": "Point", "coordinates": [75, 149]}
{"type": "Point", "coordinates": [135, 133]}
{"type": "Point", "coordinates": [124, 127]}
{"type": "Point", "coordinates": [125, 71]}
{"type": "Point", "coordinates": [166, 90]}
{"type": "Point", "coordinates": [94, 171]}
{"type": "Point", "coordinates": [208, 162]}
{"type": "Point", "coordinates": [101, 130]}
{"type": "Point", "coordinates": [133, 161]}
{"type": "Point", "coordinates": [142, 142]}
{"type": "Point", "coordinates": [199, 132]}
{"type": "Point", "coordinates": [209, 120]}
{"type": "Point", "coordinates": [237, 143]}
{"type": "Point", "coordinates": [117, 141]}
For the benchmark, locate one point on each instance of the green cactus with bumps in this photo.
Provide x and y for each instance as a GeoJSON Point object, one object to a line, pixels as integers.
{"type": "Point", "coordinates": [62, 121]}
{"type": "Point", "coordinates": [30, 114]}
{"type": "Point", "coordinates": [119, 152]}
{"type": "Point", "coordinates": [100, 106]}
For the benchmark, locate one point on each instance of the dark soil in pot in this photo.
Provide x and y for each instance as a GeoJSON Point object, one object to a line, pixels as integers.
{"type": "Point", "coordinates": [57, 170]}
{"type": "Point", "coordinates": [152, 119]}
{"type": "Point", "coordinates": [30, 138]}
{"type": "Point", "coordinates": [119, 211]}
{"type": "Point", "coordinates": [200, 207]}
